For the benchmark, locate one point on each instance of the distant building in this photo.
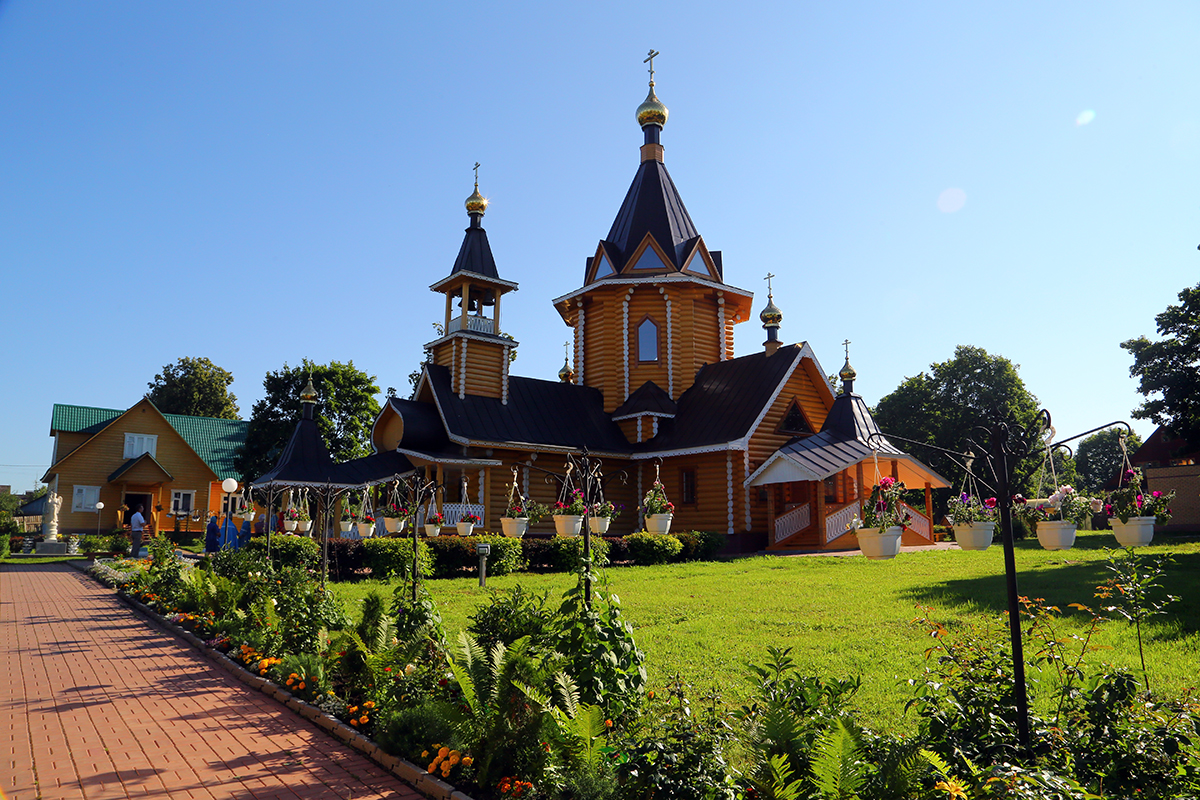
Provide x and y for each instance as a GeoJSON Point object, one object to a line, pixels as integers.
{"type": "Point", "coordinates": [1169, 465]}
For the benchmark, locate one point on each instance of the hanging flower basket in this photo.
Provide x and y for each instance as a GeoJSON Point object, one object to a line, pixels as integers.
{"type": "Point", "coordinates": [659, 523]}
{"type": "Point", "coordinates": [1056, 534]}
{"type": "Point", "coordinates": [1137, 532]}
{"type": "Point", "coordinates": [304, 525]}
{"type": "Point", "coordinates": [433, 529]}
{"type": "Point", "coordinates": [568, 524]}
{"type": "Point", "coordinates": [289, 525]}
{"type": "Point", "coordinates": [366, 529]}
{"type": "Point", "coordinates": [393, 524]}
{"type": "Point", "coordinates": [514, 527]}
{"type": "Point", "coordinates": [877, 544]}
{"type": "Point", "coordinates": [974, 535]}
{"type": "Point", "coordinates": [599, 524]}
{"type": "Point", "coordinates": [346, 525]}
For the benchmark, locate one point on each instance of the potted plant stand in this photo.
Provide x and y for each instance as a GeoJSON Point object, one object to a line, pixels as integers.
{"type": "Point", "coordinates": [599, 524]}
{"type": "Point", "coordinates": [433, 529]}
{"type": "Point", "coordinates": [1056, 534]}
{"type": "Point", "coordinates": [1136, 533]}
{"type": "Point", "coordinates": [658, 523]}
{"type": "Point", "coordinates": [974, 535]}
{"type": "Point", "coordinates": [878, 545]}
{"type": "Point", "coordinates": [568, 524]}
{"type": "Point", "coordinates": [464, 528]}
{"type": "Point", "coordinates": [514, 527]}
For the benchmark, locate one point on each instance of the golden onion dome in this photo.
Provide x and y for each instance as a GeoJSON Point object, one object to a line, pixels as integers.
{"type": "Point", "coordinates": [309, 393]}
{"type": "Point", "coordinates": [476, 203]}
{"type": "Point", "coordinates": [566, 374]}
{"type": "Point", "coordinates": [847, 373]}
{"type": "Point", "coordinates": [771, 316]}
{"type": "Point", "coordinates": [652, 111]}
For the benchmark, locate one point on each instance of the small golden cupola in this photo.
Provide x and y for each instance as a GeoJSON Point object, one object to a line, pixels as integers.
{"type": "Point", "coordinates": [470, 344]}
{"type": "Point", "coordinates": [771, 316]}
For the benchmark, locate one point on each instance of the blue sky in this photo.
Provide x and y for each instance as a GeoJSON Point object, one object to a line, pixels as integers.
{"type": "Point", "coordinates": [257, 183]}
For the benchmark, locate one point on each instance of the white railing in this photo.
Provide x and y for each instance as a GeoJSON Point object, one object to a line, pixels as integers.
{"type": "Point", "coordinates": [792, 522]}
{"type": "Point", "coordinates": [466, 322]}
{"type": "Point", "coordinates": [920, 522]}
{"type": "Point", "coordinates": [453, 512]}
{"type": "Point", "coordinates": [835, 523]}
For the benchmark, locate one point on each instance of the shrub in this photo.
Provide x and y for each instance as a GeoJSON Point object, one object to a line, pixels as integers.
{"type": "Point", "coordinates": [389, 557]}
{"type": "Point", "coordinates": [561, 553]}
{"type": "Point", "coordinates": [410, 732]}
{"type": "Point", "coordinates": [618, 551]}
{"type": "Point", "coordinates": [510, 615]}
{"type": "Point", "coordinates": [5, 546]}
{"type": "Point", "coordinates": [454, 556]}
{"type": "Point", "coordinates": [93, 544]}
{"type": "Point", "coordinates": [288, 551]}
{"type": "Point", "coordinates": [700, 545]}
{"type": "Point", "coordinates": [648, 549]}
{"type": "Point", "coordinates": [346, 558]}
{"type": "Point", "coordinates": [117, 543]}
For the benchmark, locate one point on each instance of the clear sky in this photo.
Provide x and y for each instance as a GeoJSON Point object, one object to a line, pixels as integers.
{"type": "Point", "coordinates": [257, 183]}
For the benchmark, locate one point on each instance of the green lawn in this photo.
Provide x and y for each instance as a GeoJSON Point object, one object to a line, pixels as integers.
{"type": "Point", "coordinates": [40, 559]}
{"type": "Point", "coordinates": [848, 616]}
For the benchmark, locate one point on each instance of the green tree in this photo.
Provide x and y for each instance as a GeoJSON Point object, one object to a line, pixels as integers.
{"type": "Point", "coordinates": [346, 409]}
{"type": "Point", "coordinates": [1168, 371]}
{"type": "Point", "coordinates": [196, 387]}
{"type": "Point", "coordinates": [943, 407]}
{"type": "Point", "coordinates": [1099, 456]}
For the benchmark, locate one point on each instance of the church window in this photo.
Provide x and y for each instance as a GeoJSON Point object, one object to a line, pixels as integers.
{"type": "Point", "coordinates": [687, 486]}
{"type": "Point", "coordinates": [647, 340]}
{"type": "Point", "coordinates": [794, 422]}
{"type": "Point", "coordinates": [604, 269]}
{"type": "Point", "coordinates": [649, 260]}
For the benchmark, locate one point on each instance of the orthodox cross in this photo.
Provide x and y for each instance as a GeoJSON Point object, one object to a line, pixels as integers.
{"type": "Point", "coordinates": [566, 352]}
{"type": "Point", "coordinates": [768, 280]}
{"type": "Point", "coordinates": [476, 174]}
{"type": "Point", "coordinates": [846, 344]}
{"type": "Point", "coordinates": [650, 61]}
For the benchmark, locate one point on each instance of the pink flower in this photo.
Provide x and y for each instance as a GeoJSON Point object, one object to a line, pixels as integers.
{"type": "Point", "coordinates": [990, 502]}
{"type": "Point", "coordinates": [886, 483]}
{"type": "Point", "coordinates": [1156, 494]}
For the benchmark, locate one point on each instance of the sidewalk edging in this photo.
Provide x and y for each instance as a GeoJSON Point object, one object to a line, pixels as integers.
{"type": "Point", "coordinates": [410, 773]}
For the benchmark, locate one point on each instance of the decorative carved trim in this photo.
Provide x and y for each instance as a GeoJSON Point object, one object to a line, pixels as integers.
{"type": "Point", "coordinates": [729, 489]}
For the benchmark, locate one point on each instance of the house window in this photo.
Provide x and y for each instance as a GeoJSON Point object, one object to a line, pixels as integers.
{"type": "Point", "coordinates": [138, 443]}
{"type": "Point", "coordinates": [84, 498]}
{"type": "Point", "coordinates": [794, 422]}
{"type": "Point", "coordinates": [182, 502]}
{"type": "Point", "coordinates": [647, 340]}
{"type": "Point", "coordinates": [687, 486]}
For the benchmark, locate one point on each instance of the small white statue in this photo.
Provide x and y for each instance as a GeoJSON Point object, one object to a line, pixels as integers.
{"type": "Point", "coordinates": [50, 516]}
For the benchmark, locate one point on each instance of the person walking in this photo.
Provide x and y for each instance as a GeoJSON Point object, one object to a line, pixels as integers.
{"type": "Point", "coordinates": [136, 524]}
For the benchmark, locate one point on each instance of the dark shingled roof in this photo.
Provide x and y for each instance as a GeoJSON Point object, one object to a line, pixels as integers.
{"type": "Point", "coordinates": [725, 400]}
{"type": "Point", "coordinates": [305, 459]}
{"type": "Point", "coordinates": [375, 468]}
{"type": "Point", "coordinates": [423, 429]}
{"type": "Point", "coordinates": [475, 255]}
{"type": "Point", "coordinates": [646, 399]}
{"type": "Point", "coordinates": [652, 204]}
{"type": "Point", "coordinates": [538, 412]}
{"type": "Point", "coordinates": [129, 464]}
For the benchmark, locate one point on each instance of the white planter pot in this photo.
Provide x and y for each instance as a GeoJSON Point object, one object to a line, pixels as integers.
{"type": "Point", "coordinates": [974, 535]}
{"type": "Point", "coordinates": [304, 525]}
{"type": "Point", "coordinates": [599, 524]}
{"type": "Point", "coordinates": [514, 527]}
{"type": "Point", "coordinates": [248, 517]}
{"type": "Point", "coordinates": [1136, 533]}
{"type": "Point", "coordinates": [658, 523]}
{"type": "Point", "coordinates": [878, 545]}
{"type": "Point", "coordinates": [465, 528]}
{"type": "Point", "coordinates": [568, 524]}
{"type": "Point", "coordinates": [346, 526]}
{"type": "Point", "coordinates": [289, 525]}
{"type": "Point", "coordinates": [393, 524]}
{"type": "Point", "coordinates": [1056, 534]}
{"type": "Point", "coordinates": [366, 529]}
{"type": "Point", "coordinates": [433, 529]}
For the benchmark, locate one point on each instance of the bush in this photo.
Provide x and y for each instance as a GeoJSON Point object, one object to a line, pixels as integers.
{"type": "Point", "coordinates": [409, 732]}
{"type": "Point", "coordinates": [618, 551]}
{"type": "Point", "coordinates": [93, 544]}
{"type": "Point", "coordinates": [561, 553]}
{"type": "Point", "coordinates": [509, 616]}
{"type": "Point", "coordinates": [454, 556]}
{"type": "Point", "coordinates": [117, 543]}
{"type": "Point", "coordinates": [5, 546]}
{"type": "Point", "coordinates": [346, 558]}
{"type": "Point", "coordinates": [700, 545]}
{"type": "Point", "coordinates": [288, 551]}
{"type": "Point", "coordinates": [389, 557]}
{"type": "Point", "coordinates": [648, 549]}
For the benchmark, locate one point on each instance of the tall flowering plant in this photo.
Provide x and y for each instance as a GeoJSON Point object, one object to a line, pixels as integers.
{"type": "Point", "coordinates": [656, 502]}
{"type": "Point", "coordinates": [1131, 501]}
{"type": "Point", "coordinates": [967, 508]}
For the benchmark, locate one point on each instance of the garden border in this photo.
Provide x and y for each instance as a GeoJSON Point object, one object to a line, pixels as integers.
{"type": "Point", "coordinates": [415, 776]}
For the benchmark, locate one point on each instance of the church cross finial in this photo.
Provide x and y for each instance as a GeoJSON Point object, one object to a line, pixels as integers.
{"type": "Point", "coordinates": [476, 174]}
{"type": "Point", "coordinates": [846, 344]}
{"type": "Point", "coordinates": [650, 60]}
{"type": "Point", "coordinates": [768, 280]}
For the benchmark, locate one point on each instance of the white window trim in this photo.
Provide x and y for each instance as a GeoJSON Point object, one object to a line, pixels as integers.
{"type": "Point", "coordinates": [180, 493]}
{"type": "Point", "coordinates": [78, 504]}
{"type": "Point", "coordinates": [131, 443]}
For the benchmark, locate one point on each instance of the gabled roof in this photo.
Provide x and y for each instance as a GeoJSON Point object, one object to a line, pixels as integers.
{"type": "Point", "coordinates": [652, 205]}
{"type": "Point", "coordinates": [725, 401]}
{"type": "Point", "coordinates": [546, 413]}
{"type": "Point", "coordinates": [475, 254]}
{"type": "Point", "coordinates": [647, 399]}
{"type": "Point", "coordinates": [133, 462]}
{"type": "Point", "coordinates": [214, 440]}
{"type": "Point", "coordinates": [1161, 448]}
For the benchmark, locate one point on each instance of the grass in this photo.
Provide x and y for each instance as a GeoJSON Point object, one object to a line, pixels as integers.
{"type": "Point", "coordinates": [850, 616]}
{"type": "Point", "coordinates": [40, 559]}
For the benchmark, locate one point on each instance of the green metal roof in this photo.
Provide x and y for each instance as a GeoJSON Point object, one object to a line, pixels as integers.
{"type": "Point", "coordinates": [214, 440]}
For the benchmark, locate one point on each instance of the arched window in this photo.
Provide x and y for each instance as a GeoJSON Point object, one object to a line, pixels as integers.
{"type": "Point", "coordinates": [647, 340]}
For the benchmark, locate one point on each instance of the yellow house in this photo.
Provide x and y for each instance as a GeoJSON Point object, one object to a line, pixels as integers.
{"type": "Point", "coordinates": [139, 456]}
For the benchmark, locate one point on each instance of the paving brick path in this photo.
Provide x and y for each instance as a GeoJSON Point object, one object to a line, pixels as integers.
{"type": "Point", "coordinates": [96, 702]}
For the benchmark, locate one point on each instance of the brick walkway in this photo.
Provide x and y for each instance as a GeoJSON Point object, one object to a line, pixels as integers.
{"type": "Point", "coordinates": [96, 702]}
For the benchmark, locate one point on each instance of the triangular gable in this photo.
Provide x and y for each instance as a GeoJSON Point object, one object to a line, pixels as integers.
{"type": "Point", "coordinates": [700, 262]}
{"type": "Point", "coordinates": [599, 266]}
{"type": "Point", "coordinates": [648, 257]}
{"type": "Point", "coordinates": [142, 469]}
{"type": "Point", "coordinates": [795, 421]}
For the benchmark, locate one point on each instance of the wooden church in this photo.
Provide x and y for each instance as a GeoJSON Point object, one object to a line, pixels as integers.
{"type": "Point", "coordinates": [758, 447]}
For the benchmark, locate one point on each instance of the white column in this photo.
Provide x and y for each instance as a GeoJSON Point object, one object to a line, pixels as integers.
{"type": "Point", "coordinates": [720, 326]}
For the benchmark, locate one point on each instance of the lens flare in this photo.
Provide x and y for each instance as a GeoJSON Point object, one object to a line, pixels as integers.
{"type": "Point", "coordinates": [1085, 117]}
{"type": "Point", "coordinates": [951, 200]}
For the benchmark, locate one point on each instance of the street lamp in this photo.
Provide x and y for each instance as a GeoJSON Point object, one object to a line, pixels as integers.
{"type": "Point", "coordinates": [99, 508]}
{"type": "Point", "coordinates": [229, 486]}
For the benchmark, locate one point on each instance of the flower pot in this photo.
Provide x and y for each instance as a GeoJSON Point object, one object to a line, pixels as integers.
{"type": "Point", "coordinates": [974, 535]}
{"type": "Point", "coordinates": [658, 523]}
{"type": "Point", "coordinates": [366, 529]}
{"type": "Point", "coordinates": [304, 525]}
{"type": "Point", "coordinates": [289, 525]}
{"type": "Point", "coordinates": [599, 524]}
{"type": "Point", "coordinates": [878, 545]}
{"type": "Point", "coordinates": [393, 524]}
{"type": "Point", "coordinates": [1136, 533]}
{"type": "Point", "coordinates": [433, 529]}
{"type": "Point", "coordinates": [1056, 534]}
{"type": "Point", "coordinates": [465, 528]}
{"type": "Point", "coordinates": [568, 524]}
{"type": "Point", "coordinates": [346, 526]}
{"type": "Point", "coordinates": [514, 527]}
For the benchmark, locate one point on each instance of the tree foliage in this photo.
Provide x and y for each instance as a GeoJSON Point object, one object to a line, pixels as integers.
{"type": "Point", "coordinates": [346, 409]}
{"type": "Point", "coordinates": [196, 387]}
{"type": "Point", "coordinates": [1168, 371]}
{"type": "Point", "coordinates": [944, 407]}
{"type": "Point", "coordinates": [1099, 456]}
